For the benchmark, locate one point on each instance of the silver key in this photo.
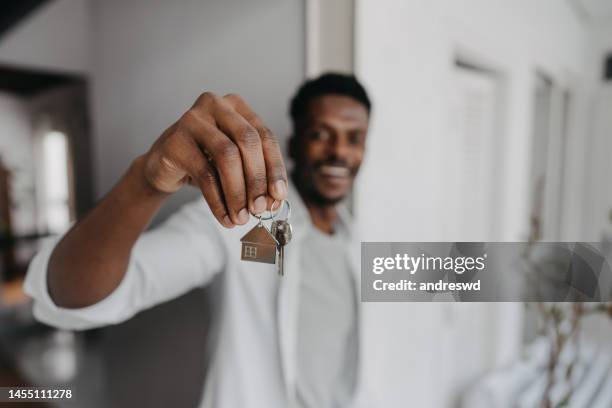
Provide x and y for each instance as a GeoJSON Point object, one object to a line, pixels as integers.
{"type": "Point", "coordinates": [282, 231]}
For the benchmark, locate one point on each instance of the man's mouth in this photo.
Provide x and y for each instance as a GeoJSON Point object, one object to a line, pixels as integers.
{"type": "Point", "coordinates": [334, 171]}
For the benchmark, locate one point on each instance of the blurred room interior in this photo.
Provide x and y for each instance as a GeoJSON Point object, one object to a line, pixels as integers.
{"type": "Point", "coordinates": [491, 122]}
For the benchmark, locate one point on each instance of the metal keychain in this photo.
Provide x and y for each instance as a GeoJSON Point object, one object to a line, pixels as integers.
{"type": "Point", "coordinates": [282, 232]}
{"type": "Point", "coordinates": [259, 245]}
{"type": "Point", "coordinates": [262, 245]}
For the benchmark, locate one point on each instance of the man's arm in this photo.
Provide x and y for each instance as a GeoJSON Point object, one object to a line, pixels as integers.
{"type": "Point", "coordinates": [219, 145]}
{"type": "Point", "coordinates": [89, 262]}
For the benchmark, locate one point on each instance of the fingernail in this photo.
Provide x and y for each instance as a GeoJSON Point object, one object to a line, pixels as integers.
{"type": "Point", "coordinates": [259, 205]}
{"type": "Point", "coordinates": [281, 188]}
{"type": "Point", "coordinates": [243, 216]}
{"type": "Point", "coordinates": [228, 223]}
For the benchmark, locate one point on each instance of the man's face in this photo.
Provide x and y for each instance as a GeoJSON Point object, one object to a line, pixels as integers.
{"type": "Point", "coordinates": [328, 148]}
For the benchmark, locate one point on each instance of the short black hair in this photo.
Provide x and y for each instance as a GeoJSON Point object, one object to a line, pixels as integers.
{"type": "Point", "coordinates": [328, 83]}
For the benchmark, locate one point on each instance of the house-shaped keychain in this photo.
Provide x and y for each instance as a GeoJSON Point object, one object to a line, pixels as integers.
{"type": "Point", "coordinates": [258, 245]}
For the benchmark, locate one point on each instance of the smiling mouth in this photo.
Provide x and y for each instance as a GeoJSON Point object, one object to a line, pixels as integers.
{"type": "Point", "coordinates": [334, 171]}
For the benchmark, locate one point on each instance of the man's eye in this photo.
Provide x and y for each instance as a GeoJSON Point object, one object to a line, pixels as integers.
{"type": "Point", "coordinates": [320, 135]}
{"type": "Point", "coordinates": [354, 138]}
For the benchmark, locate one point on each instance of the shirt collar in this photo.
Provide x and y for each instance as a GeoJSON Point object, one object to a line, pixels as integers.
{"type": "Point", "coordinates": [300, 216]}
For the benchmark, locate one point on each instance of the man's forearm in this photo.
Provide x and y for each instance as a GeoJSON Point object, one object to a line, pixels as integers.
{"type": "Point", "coordinates": [92, 258]}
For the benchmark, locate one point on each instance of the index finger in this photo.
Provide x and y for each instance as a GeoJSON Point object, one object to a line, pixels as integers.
{"type": "Point", "coordinates": [275, 167]}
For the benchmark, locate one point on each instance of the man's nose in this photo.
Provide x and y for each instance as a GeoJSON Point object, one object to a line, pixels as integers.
{"type": "Point", "coordinates": [338, 147]}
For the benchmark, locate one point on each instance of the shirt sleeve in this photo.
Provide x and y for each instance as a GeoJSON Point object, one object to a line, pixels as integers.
{"type": "Point", "coordinates": [183, 253]}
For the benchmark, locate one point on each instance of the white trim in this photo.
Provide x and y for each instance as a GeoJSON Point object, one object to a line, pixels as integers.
{"type": "Point", "coordinates": [329, 36]}
{"type": "Point", "coordinates": [312, 36]}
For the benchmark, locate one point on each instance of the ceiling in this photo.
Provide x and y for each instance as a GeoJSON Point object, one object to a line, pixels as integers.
{"type": "Point", "coordinates": [30, 82]}
{"type": "Point", "coordinates": [26, 82]}
{"type": "Point", "coordinates": [12, 11]}
{"type": "Point", "coordinates": [595, 10]}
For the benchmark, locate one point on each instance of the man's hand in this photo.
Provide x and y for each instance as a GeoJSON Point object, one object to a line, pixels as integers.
{"type": "Point", "coordinates": [221, 146]}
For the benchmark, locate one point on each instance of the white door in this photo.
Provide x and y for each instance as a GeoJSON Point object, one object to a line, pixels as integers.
{"type": "Point", "coordinates": [473, 165]}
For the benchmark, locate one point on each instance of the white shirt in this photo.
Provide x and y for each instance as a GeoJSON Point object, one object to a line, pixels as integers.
{"type": "Point", "coordinates": [254, 361]}
{"type": "Point", "coordinates": [327, 324]}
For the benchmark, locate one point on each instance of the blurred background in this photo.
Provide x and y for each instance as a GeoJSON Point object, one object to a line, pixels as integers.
{"type": "Point", "coordinates": [492, 122]}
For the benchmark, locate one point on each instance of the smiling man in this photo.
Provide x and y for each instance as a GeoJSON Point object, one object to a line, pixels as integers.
{"type": "Point", "coordinates": [282, 342]}
{"type": "Point", "coordinates": [328, 144]}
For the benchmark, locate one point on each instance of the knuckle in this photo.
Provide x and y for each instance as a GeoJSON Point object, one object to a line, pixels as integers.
{"type": "Point", "coordinates": [268, 137]}
{"type": "Point", "coordinates": [278, 172]}
{"type": "Point", "coordinates": [257, 183]}
{"type": "Point", "coordinates": [206, 99]}
{"type": "Point", "coordinates": [207, 96]}
{"type": "Point", "coordinates": [228, 151]}
{"type": "Point", "coordinates": [248, 137]}
{"type": "Point", "coordinates": [208, 176]}
{"type": "Point", "coordinates": [168, 163]}
{"type": "Point", "coordinates": [190, 117]}
{"type": "Point", "coordinates": [237, 200]}
{"type": "Point", "coordinates": [233, 97]}
{"type": "Point", "coordinates": [174, 143]}
{"type": "Point", "coordinates": [257, 122]}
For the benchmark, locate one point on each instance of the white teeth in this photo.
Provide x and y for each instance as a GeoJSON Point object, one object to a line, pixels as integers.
{"type": "Point", "coordinates": [334, 171]}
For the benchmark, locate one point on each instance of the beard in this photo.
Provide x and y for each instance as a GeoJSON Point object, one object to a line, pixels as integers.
{"type": "Point", "coordinates": [321, 200]}
{"type": "Point", "coordinates": [304, 179]}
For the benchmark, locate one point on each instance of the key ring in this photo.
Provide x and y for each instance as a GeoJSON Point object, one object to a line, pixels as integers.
{"type": "Point", "coordinates": [285, 201]}
{"type": "Point", "coordinates": [273, 214]}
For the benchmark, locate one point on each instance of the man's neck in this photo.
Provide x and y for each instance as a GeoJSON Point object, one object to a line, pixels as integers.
{"type": "Point", "coordinates": [323, 218]}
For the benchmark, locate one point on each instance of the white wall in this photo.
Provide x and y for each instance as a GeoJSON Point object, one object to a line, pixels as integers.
{"type": "Point", "coordinates": [18, 156]}
{"type": "Point", "coordinates": [408, 69]}
{"type": "Point", "coordinates": [148, 60]}
{"type": "Point", "coordinates": [598, 188]}
{"type": "Point", "coordinates": [405, 52]}
{"type": "Point", "coordinates": [55, 36]}
{"type": "Point", "coordinates": [154, 57]}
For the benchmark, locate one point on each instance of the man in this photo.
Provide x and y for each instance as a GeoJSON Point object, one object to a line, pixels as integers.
{"type": "Point", "coordinates": [290, 341]}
